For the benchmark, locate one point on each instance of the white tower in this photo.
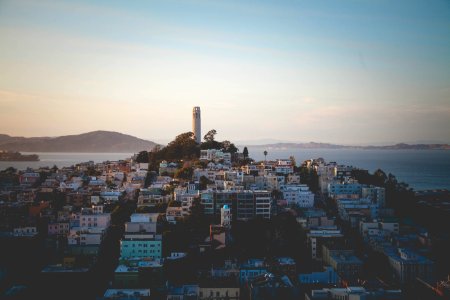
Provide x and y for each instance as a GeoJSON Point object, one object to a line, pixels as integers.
{"type": "Point", "coordinates": [196, 124]}
{"type": "Point", "coordinates": [225, 216]}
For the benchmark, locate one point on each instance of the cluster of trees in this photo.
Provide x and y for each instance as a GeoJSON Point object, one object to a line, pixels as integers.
{"type": "Point", "coordinates": [184, 147]}
{"type": "Point", "coordinates": [309, 176]}
{"type": "Point", "coordinates": [9, 176]}
{"type": "Point", "coordinates": [211, 143]}
{"type": "Point", "coordinates": [398, 194]}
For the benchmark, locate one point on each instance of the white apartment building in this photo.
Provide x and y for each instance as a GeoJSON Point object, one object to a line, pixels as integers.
{"type": "Point", "coordinates": [263, 204]}
{"type": "Point", "coordinates": [378, 228]}
{"type": "Point", "coordinates": [83, 236]}
{"type": "Point", "coordinates": [95, 220]}
{"type": "Point", "coordinates": [298, 194]}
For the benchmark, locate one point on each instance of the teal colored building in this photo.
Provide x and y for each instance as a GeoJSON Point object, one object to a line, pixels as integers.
{"type": "Point", "coordinates": [144, 248]}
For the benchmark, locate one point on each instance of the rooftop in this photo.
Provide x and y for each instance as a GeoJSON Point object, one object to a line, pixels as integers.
{"type": "Point", "coordinates": [127, 293]}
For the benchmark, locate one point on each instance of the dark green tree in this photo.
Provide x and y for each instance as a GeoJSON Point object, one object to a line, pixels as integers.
{"type": "Point", "coordinates": [229, 147]}
{"type": "Point", "coordinates": [174, 203]}
{"type": "Point", "coordinates": [245, 153]}
{"type": "Point", "coordinates": [203, 182]}
{"type": "Point", "coordinates": [210, 135]}
{"type": "Point", "coordinates": [142, 157]}
{"type": "Point", "coordinates": [184, 173]}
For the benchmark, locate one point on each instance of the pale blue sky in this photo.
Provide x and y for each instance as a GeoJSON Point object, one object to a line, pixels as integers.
{"type": "Point", "coordinates": [330, 71]}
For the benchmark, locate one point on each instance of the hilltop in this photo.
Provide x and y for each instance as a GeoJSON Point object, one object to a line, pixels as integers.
{"type": "Point", "coordinates": [95, 141]}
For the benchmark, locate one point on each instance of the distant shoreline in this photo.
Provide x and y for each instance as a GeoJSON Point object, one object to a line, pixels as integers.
{"type": "Point", "coordinates": [312, 145]}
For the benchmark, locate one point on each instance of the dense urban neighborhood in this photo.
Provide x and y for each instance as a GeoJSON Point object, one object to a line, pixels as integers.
{"type": "Point", "coordinates": [202, 220]}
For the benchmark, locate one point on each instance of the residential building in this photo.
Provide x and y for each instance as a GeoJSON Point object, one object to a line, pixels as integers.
{"type": "Point", "coordinates": [408, 265]}
{"type": "Point", "coordinates": [244, 204]}
{"type": "Point", "coordinates": [316, 238]}
{"type": "Point", "coordinates": [185, 292]}
{"type": "Point", "coordinates": [29, 178]}
{"type": "Point", "coordinates": [272, 287]}
{"type": "Point", "coordinates": [353, 293]}
{"type": "Point", "coordinates": [376, 194]}
{"type": "Point", "coordinates": [174, 214]}
{"type": "Point", "coordinates": [140, 247]}
{"type": "Point", "coordinates": [134, 294]}
{"type": "Point", "coordinates": [298, 194]}
{"type": "Point", "coordinates": [378, 228]}
{"type": "Point", "coordinates": [25, 231]}
{"type": "Point", "coordinates": [251, 269]}
{"type": "Point", "coordinates": [347, 190]}
{"type": "Point", "coordinates": [58, 228]}
{"type": "Point", "coordinates": [327, 276]}
{"type": "Point", "coordinates": [347, 266]}
{"type": "Point", "coordinates": [218, 289]}
{"type": "Point", "coordinates": [86, 236]}
{"type": "Point", "coordinates": [95, 220]}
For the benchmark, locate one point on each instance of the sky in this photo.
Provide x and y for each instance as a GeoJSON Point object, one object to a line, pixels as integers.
{"type": "Point", "coordinates": [347, 72]}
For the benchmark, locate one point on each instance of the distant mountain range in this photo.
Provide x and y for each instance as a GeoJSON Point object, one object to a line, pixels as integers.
{"type": "Point", "coordinates": [313, 145]}
{"type": "Point", "coordinates": [115, 142]}
{"type": "Point", "coordinates": [95, 141]}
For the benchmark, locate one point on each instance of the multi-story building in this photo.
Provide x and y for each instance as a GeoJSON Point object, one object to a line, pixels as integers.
{"type": "Point", "coordinates": [218, 289]}
{"type": "Point", "coordinates": [408, 266]}
{"type": "Point", "coordinates": [84, 236]}
{"type": "Point", "coordinates": [263, 204]}
{"type": "Point", "coordinates": [111, 196]}
{"type": "Point", "coordinates": [343, 172]}
{"type": "Point", "coordinates": [251, 269]}
{"type": "Point", "coordinates": [328, 276]}
{"type": "Point", "coordinates": [344, 190]}
{"type": "Point", "coordinates": [376, 194]}
{"type": "Point", "coordinates": [284, 166]}
{"type": "Point", "coordinates": [174, 214]}
{"type": "Point", "coordinates": [316, 238]}
{"type": "Point", "coordinates": [378, 228]}
{"type": "Point", "coordinates": [215, 156]}
{"type": "Point", "coordinates": [346, 265]}
{"type": "Point", "coordinates": [25, 231]}
{"type": "Point", "coordinates": [95, 220]}
{"type": "Point", "coordinates": [140, 239]}
{"type": "Point", "coordinates": [244, 204]}
{"type": "Point", "coordinates": [58, 228]}
{"type": "Point", "coordinates": [140, 247]}
{"type": "Point", "coordinates": [293, 179]}
{"type": "Point", "coordinates": [135, 294]}
{"type": "Point", "coordinates": [298, 194]}
{"type": "Point", "coordinates": [353, 293]}
{"type": "Point", "coordinates": [315, 218]}
{"type": "Point", "coordinates": [356, 210]}
{"type": "Point", "coordinates": [29, 178]}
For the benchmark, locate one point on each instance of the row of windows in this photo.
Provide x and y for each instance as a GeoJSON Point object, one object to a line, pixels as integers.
{"type": "Point", "coordinates": [141, 245]}
{"type": "Point", "coordinates": [146, 251]}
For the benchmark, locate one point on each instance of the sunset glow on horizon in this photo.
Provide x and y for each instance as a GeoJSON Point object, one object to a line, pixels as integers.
{"type": "Point", "coordinates": [327, 71]}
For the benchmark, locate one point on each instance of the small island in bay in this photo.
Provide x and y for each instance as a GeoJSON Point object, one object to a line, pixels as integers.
{"type": "Point", "coordinates": [17, 156]}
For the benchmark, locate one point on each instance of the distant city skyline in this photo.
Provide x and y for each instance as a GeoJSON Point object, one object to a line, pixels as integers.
{"type": "Point", "coordinates": [353, 72]}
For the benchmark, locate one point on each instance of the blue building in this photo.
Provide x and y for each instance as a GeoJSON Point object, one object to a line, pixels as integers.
{"type": "Point", "coordinates": [144, 248]}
